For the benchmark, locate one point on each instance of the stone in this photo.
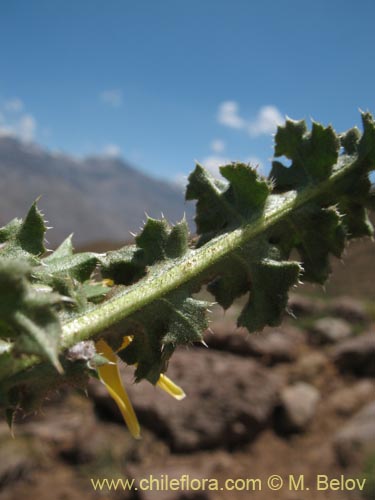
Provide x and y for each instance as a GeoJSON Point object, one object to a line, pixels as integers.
{"type": "Point", "coordinates": [269, 346]}
{"type": "Point", "coordinates": [309, 367]}
{"type": "Point", "coordinates": [350, 309]}
{"type": "Point", "coordinates": [18, 457]}
{"type": "Point", "coordinates": [329, 330]}
{"type": "Point", "coordinates": [300, 305]}
{"type": "Point", "coordinates": [356, 355]}
{"type": "Point", "coordinates": [347, 400]}
{"type": "Point", "coordinates": [297, 407]}
{"type": "Point", "coordinates": [65, 428]}
{"type": "Point", "coordinates": [229, 400]}
{"type": "Point", "coordinates": [356, 440]}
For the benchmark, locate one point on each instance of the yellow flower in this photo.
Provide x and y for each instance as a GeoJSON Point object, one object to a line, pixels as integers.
{"type": "Point", "coordinates": [110, 376]}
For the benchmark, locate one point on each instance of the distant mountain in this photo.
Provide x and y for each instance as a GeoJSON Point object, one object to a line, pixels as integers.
{"type": "Point", "coordinates": [97, 198]}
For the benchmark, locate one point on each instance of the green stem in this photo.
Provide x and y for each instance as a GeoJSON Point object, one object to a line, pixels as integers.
{"type": "Point", "coordinates": [174, 273]}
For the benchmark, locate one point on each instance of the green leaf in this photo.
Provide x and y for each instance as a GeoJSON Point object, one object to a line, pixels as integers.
{"type": "Point", "coordinates": [366, 147]}
{"type": "Point", "coordinates": [64, 251]}
{"type": "Point", "coordinates": [169, 322]}
{"type": "Point", "coordinates": [24, 239]}
{"type": "Point", "coordinates": [223, 206]}
{"type": "Point", "coordinates": [313, 154]}
{"type": "Point", "coordinates": [271, 281]}
{"type": "Point", "coordinates": [350, 140]}
{"type": "Point", "coordinates": [317, 234]}
{"type": "Point", "coordinates": [157, 241]}
{"type": "Point", "coordinates": [124, 266]}
{"type": "Point", "coordinates": [247, 226]}
{"type": "Point", "coordinates": [232, 280]}
{"type": "Point", "coordinates": [29, 315]}
{"type": "Point", "coordinates": [32, 231]}
{"type": "Point", "coordinates": [259, 270]}
{"type": "Point", "coordinates": [289, 138]}
{"type": "Point", "coordinates": [153, 240]}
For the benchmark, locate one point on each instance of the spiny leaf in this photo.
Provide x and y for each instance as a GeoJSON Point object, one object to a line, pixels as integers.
{"type": "Point", "coordinates": [187, 320]}
{"type": "Point", "coordinates": [247, 226]}
{"type": "Point", "coordinates": [271, 281]}
{"type": "Point", "coordinates": [263, 274]}
{"type": "Point", "coordinates": [350, 140]}
{"type": "Point", "coordinates": [169, 322]}
{"type": "Point", "coordinates": [231, 282]}
{"type": "Point", "coordinates": [32, 230]}
{"type": "Point", "coordinates": [28, 315]}
{"type": "Point", "coordinates": [222, 206]}
{"type": "Point", "coordinates": [65, 272]}
{"type": "Point", "coordinates": [123, 266]}
{"type": "Point", "coordinates": [316, 233]}
{"type": "Point", "coordinates": [157, 241]}
{"type": "Point", "coordinates": [153, 240]}
{"type": "Point", "coordinates": [366, 146]}
{"type": "Point", "coordinates": [313, 154]}
{"type": "Point", "coordinates": [78, 266]}
{"type": "Point", "coordinates": [63, 251]}
{"type": "Point", "coordinates": [24, 239]}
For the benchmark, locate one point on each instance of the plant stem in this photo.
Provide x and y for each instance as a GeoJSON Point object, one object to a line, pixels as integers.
{"type": "Point", "coordinates": [171, 274]}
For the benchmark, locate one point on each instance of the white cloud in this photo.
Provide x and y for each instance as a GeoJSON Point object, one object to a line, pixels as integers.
{"type": "Point", "coordinates": [26, 128]}
{"type": "Point", "coordinates": [217, 146]}
{"type": "Point", "coordinates": [213, 162]}
{"type": "Point", "coordinates": [266, 121]}
{"type": "Point", "coordinates": [15, 104]}
{"type": "Point", "coordinates": [228, 115]}
{"type": "Point", "coordinates": [5, 131]}
{"type": "Point", "coordinates": [180, 181]}
{"type": "Point", "coordinates": [112, 97]}
{"type": "Point", "coordinates": [112, 151]}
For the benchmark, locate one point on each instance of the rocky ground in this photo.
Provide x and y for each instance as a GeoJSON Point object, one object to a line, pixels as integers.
{"type": "Point", "coordinates": [299, 399]}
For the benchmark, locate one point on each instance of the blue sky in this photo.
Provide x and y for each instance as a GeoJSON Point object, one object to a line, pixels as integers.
{"type": "Point", "coordinates": [166, 82]}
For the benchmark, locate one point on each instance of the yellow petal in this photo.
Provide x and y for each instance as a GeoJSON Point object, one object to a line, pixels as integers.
{"type": "Point", "coordinates": [164, 382]}
{"type": "Point", "coordinates": [108, 282]}
{"type": "Point", "coordinates": [125, 342]}
{"type": "Point", "coordinates": [170, 387]}
{"type": "Point", "coordinates": [110, 376]}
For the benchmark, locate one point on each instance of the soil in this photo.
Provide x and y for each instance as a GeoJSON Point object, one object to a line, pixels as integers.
{"type": "Point", "coordinates": [75, 438]}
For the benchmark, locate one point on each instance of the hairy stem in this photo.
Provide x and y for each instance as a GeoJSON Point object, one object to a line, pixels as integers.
{"type": "Point", "coordinates": [175, 272]}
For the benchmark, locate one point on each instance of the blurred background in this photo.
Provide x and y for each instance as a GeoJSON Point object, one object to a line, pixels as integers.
{"type": "Point", "coordinates": [104, 109]}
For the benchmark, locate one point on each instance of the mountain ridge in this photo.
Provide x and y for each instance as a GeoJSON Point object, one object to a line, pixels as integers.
{"type": "Point", "coordinates": [97, 197]}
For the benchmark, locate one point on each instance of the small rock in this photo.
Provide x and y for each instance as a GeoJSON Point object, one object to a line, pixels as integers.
{"type": "Point", "coordinates": [356, 355]}
{"type": "Point", "coordinates": [65, 427]}
{"type": "Point", "coordinates": [347, 400]}
{"type": "Point", "coordinates": [18, 457]}
{"type": "Point", "coordinates": [300, 305]}
{"type": "Point", "coordinates": [297, 407]}
{"type": "Point", "coordinates": [330, 331]}
{"type": "Point", "coordinates": [350, 309]}
{"type": "Point", "coordinates": [356, 439]}
{"type": "Point", "coordinates": [271, 347]}
{"type": "Point", "coordinates": [226, 336]}
{"type": "Point", "coordinates": [309, 367]}
{"type": "Point", "coordinates": [229, 400]}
